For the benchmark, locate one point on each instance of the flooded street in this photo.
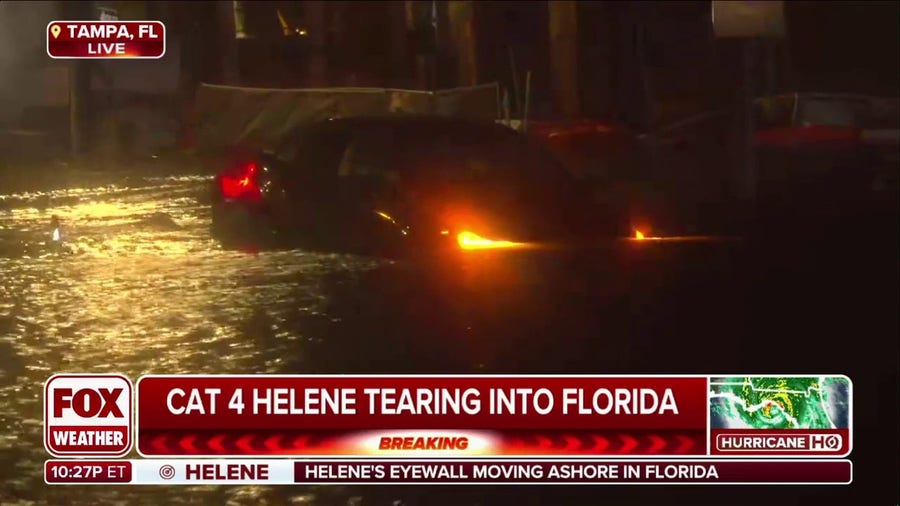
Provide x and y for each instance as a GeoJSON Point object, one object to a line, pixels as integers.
{"type": "Point", "coordinates": [139, 287]}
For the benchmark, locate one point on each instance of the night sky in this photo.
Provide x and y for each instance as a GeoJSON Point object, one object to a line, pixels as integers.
{"type": "Point", "coordinates": [844, 39]}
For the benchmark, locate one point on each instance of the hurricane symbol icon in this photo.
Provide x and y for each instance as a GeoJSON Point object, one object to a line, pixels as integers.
{"type": "Point", "coordinates": [167, 472]}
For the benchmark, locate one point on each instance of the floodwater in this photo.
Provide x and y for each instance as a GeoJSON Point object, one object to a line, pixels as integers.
{"type": "Point", "coordinates": [137, 286]}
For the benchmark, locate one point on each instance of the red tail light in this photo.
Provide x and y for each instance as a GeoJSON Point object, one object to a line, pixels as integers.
{"type": "Point", "coordinates": [241, 184]}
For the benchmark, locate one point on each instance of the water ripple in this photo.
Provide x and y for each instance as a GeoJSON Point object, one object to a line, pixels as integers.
{"type": "Point", "coordinates": [139, 287]}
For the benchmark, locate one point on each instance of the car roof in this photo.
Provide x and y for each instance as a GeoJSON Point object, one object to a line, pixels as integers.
{"type": "Point", "coordinates": [424, 124]}
{"type": "Point", "coordinates": [411, 121]}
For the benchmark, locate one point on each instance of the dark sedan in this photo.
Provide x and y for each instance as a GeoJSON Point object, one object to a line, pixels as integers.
{"type": "Point", "coordinates": [401, 186]}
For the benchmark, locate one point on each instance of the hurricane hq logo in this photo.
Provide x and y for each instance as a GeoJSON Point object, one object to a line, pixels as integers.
{"type": "Point", "coordinates": [825, 442]}
{"type": "Point", "coordinates": [87, 415]}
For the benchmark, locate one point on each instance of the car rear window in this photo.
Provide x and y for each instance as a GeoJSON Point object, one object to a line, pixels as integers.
{"type": "Point", "coordinates": [476, 155]}
{"type": "Point", "coordinates": [828, 113]}
{"type": "Point", "coordinates": [853, 113]}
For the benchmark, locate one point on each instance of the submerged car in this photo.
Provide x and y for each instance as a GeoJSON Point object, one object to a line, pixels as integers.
{"type": "Point", "coordinates": [399, 186]}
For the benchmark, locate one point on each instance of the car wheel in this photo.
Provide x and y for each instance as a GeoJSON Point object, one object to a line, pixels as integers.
{"type": "Point", "coordinates": [236, 227]}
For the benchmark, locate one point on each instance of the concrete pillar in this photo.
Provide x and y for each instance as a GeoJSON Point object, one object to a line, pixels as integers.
{"type": "Point", "coordinates": [411, 30]}
{"type": "Point", "coordinates": [79, 87]}
{"type": "Point", "coordinates": [633, 88]}
{"type": "Point", "coordinates": [316, 19]}
{"type": "Point", "coordinates": [340, 27]}
{"type": "Point", "coordinates": [748, 153]}
{"type": "Point", "coordinates": [230, 68]}
{"type": "Point", "coordinates": [427, 41]}
{"type": "Point", "coordinates": [463, 36]}
{"type": "Point", "coordinates": [596, 59]}
{"type": "Point", "coordinates": [399, 33]}
{"type": "Point", "coordinates": [564, 56]}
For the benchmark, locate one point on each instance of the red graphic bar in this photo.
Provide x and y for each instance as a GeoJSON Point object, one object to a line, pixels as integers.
{"type": "Point", "coordinates": [421, 403]}
{"type": "Point", "coordinates": [509, 472]}
{"type": "Point", "coordinates": [87, 471]}
{"type": "Point", "coordinates": [411, 416]}
{"type": "Point", "coordinates": [106, 39]}
{"type": "Point", "coordinates": [410, 443]}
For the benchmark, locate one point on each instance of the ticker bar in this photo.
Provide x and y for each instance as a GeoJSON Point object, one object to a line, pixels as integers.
{"type": "Point", "coordinates": [448, 472]}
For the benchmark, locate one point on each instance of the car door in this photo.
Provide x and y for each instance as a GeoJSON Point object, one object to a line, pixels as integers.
{"type": "Point", "coordinates": [364, 177]}
{"type": "Point", "coordinates": [315, 156]}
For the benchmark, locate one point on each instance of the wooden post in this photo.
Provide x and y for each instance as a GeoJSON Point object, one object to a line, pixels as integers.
{"type": "Point", "coordinates": [462, 34]}
{"type": "Point", "coordinates": [564, 56]}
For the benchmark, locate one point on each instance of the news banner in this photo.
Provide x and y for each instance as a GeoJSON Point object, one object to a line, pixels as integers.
{"type": "Point", "coordinates": [71, 39]}
{"type": "Point", "coordinates": [345, 429]}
